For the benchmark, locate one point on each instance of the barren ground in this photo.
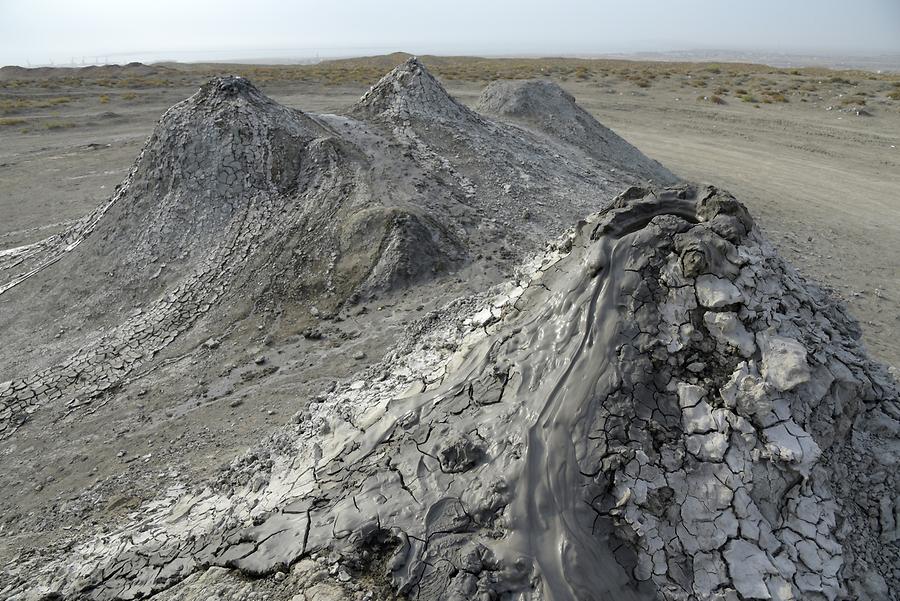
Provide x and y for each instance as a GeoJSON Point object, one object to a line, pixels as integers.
{"type": "Point", "coordinates": [823, 184]}
{"type": "Point", "coordinates": [822, 180]}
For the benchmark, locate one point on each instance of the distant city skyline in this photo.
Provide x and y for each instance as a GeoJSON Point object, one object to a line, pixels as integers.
{"type": "Point", "coordinates": [40, 32]}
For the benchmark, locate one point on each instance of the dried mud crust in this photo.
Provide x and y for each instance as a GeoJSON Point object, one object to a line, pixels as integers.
{"type": "Point", "coordinates": [656, 408]}
{"type": "Point", "coordinates": [238, 200]}
{"type": "Point", "coordinates": [543, 105]}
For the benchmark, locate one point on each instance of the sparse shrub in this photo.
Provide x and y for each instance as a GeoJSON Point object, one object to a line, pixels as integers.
{"type": "Point", "coordinates": [895, 95]}
{"type": "Point", "coordinates": [14, 105]}
{"type": "Point", "coordinates": [8, 121]}
{"type": "Point", "coordinates": [853, 100]}
{"type": "Point", "coordinates": [58, 125]}
{"type": "Point", "coordinates": [129, 96]}
{"type": "Point", "coordinates": [104, 99]}
{"type": "Point", "coordinates": [747, 98]}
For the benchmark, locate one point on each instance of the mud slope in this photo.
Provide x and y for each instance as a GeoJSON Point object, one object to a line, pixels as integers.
{"type": "Point", "coordinates": [233, 194]}
{"type": "Point", "coordinates": [656, 408]}
{"type": "Point", "coordinates": [652, 406]}
{"type": "Point", "coordinates": [238, 203]}
{"type": "Point", "coordinates": [543, 105]}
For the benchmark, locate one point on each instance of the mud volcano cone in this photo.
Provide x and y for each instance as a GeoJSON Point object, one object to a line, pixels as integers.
{"type": "Point", "coordinates": [640, 416]}
{"type": "Point", "coordinates": [652, 406]}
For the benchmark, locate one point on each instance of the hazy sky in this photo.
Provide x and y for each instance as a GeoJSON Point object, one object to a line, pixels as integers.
{"type": "Point", "coordinates": [41, 31]}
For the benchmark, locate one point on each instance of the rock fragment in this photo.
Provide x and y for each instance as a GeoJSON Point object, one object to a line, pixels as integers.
{"type": "Point", "coordinates": [714, 292]}
{"type": "Point", "coordinates": [783, 361]}
{"type": "Point", "coordinates": [728, 329]}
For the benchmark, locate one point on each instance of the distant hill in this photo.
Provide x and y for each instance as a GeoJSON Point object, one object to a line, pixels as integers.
{"type": "Point", "coordinates": [92, 71]}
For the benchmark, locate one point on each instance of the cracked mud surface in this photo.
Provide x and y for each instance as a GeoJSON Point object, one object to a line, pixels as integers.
{"type": "Point", "coordinates": [655, 406]}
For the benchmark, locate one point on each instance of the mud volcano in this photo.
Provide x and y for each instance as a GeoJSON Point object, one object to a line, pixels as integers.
{"type": "Point", "coordinates": [651, 406]}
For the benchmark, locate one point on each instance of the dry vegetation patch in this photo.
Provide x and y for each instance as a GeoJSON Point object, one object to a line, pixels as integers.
{"type": "Point", "coordinates": [715, 83]}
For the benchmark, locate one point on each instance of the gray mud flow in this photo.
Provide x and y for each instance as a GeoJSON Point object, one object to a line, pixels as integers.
{"type": "Point", "coordinates": [653, 405]}
{"type": "Point", "coordinates": [237, 201]}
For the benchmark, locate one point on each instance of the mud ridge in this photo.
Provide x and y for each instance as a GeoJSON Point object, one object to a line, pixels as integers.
{"type": "Point", "coordinates": [654, 405]}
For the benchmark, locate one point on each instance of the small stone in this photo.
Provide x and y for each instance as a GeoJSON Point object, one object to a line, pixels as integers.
{"type": "Point", "coordinates": [461, 455]}
{"type": "Point", "coordinates": [689, 395]}
{"type": "Point", "coordinates": [714, 292]}
{"type": "Point", "coordinates": [727, 328]}
{"type": "Point", "coordinates": [708, 447]}
{"type": "Point", "coordinates": [698, 419]}
{"type": "Point", "coordinates": [748, 566]}
{"type": "Point", "coordinates": [783, 361]}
